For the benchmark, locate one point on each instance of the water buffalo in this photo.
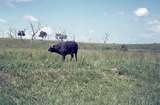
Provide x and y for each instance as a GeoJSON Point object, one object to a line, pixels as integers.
{"type": "Point", "coordinates": [65, 48]}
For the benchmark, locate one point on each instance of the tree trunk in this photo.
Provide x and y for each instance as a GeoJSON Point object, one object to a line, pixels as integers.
{"type": "Point", "coordinates": [33, 32]}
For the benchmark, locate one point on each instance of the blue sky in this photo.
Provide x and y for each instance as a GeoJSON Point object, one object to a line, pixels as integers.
{"type": "Point", "coordinates": [127, 21]}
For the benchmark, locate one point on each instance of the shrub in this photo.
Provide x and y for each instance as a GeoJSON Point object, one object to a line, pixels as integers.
{"type": "Point", "coordinates": [124, 47]}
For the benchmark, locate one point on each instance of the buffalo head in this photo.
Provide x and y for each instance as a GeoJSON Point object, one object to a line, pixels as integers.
{"type": "Point", "coordinates": [52, 49]}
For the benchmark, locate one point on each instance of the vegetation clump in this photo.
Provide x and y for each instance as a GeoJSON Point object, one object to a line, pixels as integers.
{"type": "Point", "coordinates": [124, 47]}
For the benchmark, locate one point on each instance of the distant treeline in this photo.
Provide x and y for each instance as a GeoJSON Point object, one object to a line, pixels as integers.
{"type": "Point", "coordinates": [37, 44]}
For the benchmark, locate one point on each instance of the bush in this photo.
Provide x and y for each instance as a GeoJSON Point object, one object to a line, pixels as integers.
{"type": "Point", "coordinates": [124, 48]}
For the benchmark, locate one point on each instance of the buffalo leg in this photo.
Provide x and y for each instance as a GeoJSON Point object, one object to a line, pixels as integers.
{"type": "Point", "coordinates": [76, 56]}
{"type": "Point", "coordinates": [64, 57]}
{"type": "Point", "coordinates": [72, 56]}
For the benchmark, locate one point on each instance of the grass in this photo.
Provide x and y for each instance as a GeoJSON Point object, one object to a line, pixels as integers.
{"type": "Point", "coordinates": [33, 76]}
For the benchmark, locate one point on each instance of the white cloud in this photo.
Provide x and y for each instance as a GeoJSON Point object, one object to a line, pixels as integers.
{"type": "Point", "coordinates": [121, 13]}
{"type": "Point", "coordinates": [91, 31]}
{"type": "Point", "coordinates": [155, 29]}
{"type": "Point", "coordinates": [18, 1]}
{"type": "Point", "coordinates": [3, 20]}
{"type": "Point", "coordinates": [141, 12]}
{"type": "Point", "coordinates": [30, 18]}
{"type": "Point", "coordinates": [11, 3]}
{"type": "Point", "coordinates": [156, 21]}
{"type": "Point", "coordinates": [47, 29]}
{"type": "Point", "coordinates": [153, 26]}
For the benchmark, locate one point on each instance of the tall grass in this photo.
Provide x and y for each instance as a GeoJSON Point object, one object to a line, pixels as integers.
{"type": "Point", "coordinates": [99, 77]}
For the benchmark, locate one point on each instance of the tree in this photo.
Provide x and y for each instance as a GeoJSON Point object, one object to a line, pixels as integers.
{"type": "Point", "coordinates": [124, 47]}
{"type": "Point", "coordinates": [72, 36]}
{"type": "Point", "coordinates": [2, 33]}
{"type": "Point", "coordinates": [11, 32]}
{"type": "Point", "coordinates": [34, 31]}
{"type": "Point", "coordinates": [31, 20]}
{"type": "Point", "coordinates": [106, 38]}
{"type": "Point", "coordinates": [43, 34]}
{"type": "Point", "coordinates": [60, 36]}
{"type": "Point", "coordinates": [21, 33]}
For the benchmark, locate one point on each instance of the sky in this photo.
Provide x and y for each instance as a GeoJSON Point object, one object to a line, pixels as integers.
{"type": "Point", "coordinates": [124, 21]}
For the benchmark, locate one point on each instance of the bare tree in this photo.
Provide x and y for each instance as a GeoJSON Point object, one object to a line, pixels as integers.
{"type": "Point", "coordinates": [43, 34]}
{"type": "Point", "coordinates": [60, 36]}
{"type": "Point", "coordinates": [106, 38]}
{"type": "Point", "coordinates": [11, 32]}
{"type": "Point", "coordinates": [72, 36]}
{"type": "Point", "coordinates": [1, 33]}
{"type": "Point", "coordinates": [34, 30]}
{"type": "Point", "coordinates": [15, 33]}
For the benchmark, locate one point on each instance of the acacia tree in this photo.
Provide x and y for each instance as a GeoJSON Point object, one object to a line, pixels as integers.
{"type": "Point", "coordinates": [43, 34]}
{"type": "Point", "coordinates": [106, 38]}
{"type": "Point", "coordinates": [60, 36]}
{"type": "Point", "coordinates": [21, 33]}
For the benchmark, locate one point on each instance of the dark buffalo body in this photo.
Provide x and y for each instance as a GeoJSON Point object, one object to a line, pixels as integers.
{"type": "Point", "coordinates": [65, 48]}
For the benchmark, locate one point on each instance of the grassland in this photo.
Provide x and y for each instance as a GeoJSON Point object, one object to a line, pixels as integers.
{"type": "Point", "coordinates": [103, 75]}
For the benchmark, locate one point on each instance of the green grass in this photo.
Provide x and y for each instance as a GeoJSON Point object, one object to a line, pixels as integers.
{"type": "Point", "coordinates": [99, 77]}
